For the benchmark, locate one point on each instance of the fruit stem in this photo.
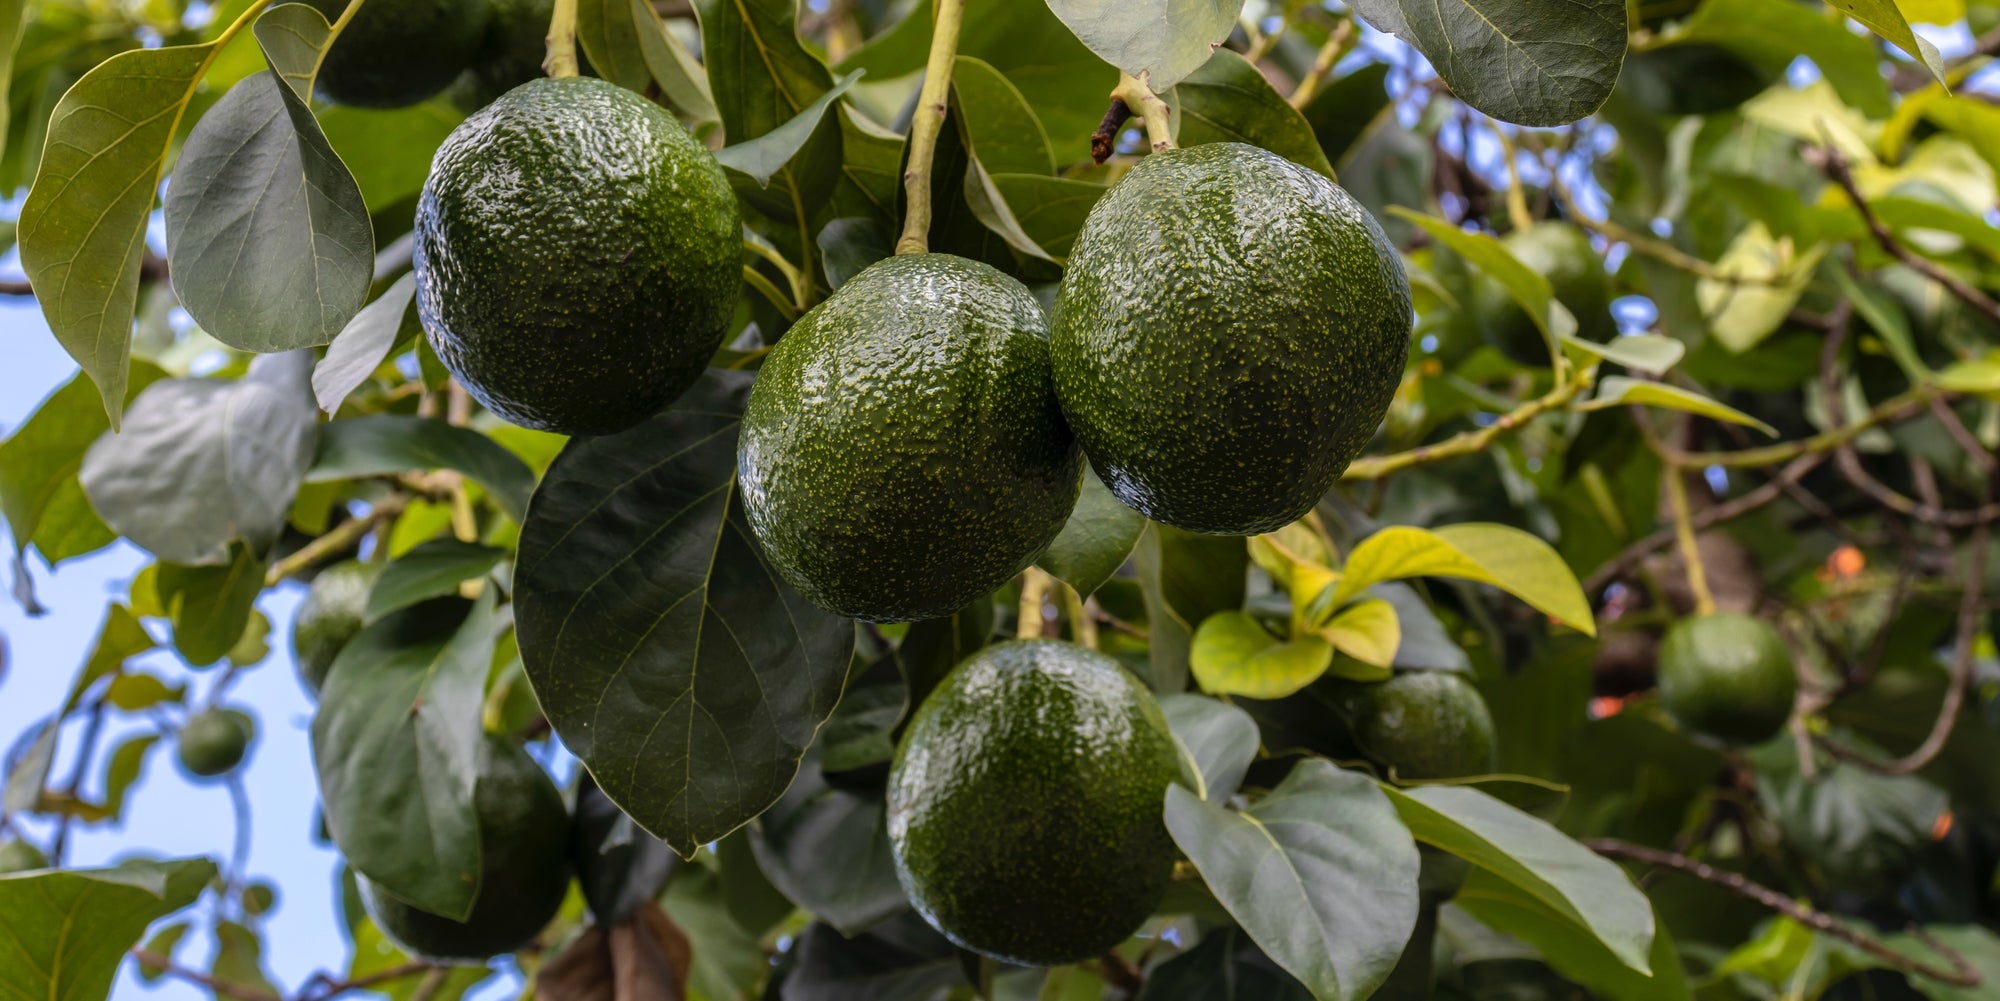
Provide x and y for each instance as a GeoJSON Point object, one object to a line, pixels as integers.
{"type": "Point", "coordinates": [1330, 53]}
{"type": "Point", "coordinates": [561, 61]}
{"type": "Point", "coordinates": [1697, 573]}
{"type": "Point", "coordinates": [925, 125]}
{"type": "Point", "coordinates": [1148, 107]}
{"type": "Point", "coordinates": [333, 30]}
{"type": "Point", "coordinates": [1034, 591]}
{"type": "Point", "coordinates": [1082, 627]}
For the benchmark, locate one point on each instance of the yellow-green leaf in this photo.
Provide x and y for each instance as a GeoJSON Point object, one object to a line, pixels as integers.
{"type": "Point", "coordinates": [1980, 376]}
{"type": "Point", "coordinates": [1233, 655]}
{"type": "Point", "coordinates": [1507, 558]}
{"type": "Point", "coordinates": [1367, 631]}
{"type": "Point", "coordinates": [1884, 18]}
{"type": "Point", "coordinates": [1618, 390]}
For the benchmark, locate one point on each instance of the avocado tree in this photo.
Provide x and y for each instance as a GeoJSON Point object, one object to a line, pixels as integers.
{"type": "Point", "coordinates": [1094, 499]}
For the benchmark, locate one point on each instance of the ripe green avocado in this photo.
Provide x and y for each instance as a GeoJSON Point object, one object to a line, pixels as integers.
{"type": "Point", "coordinates": [1419, 724]}
{"type": "Point", "coordinates": [1025, 803]}
{"type": "Point", "coordinates": [329, 616]}
{"type": "Point", "coordinates": [212, 742]}
{"type": "Point", "coordinates": [578, 256]}
{"type": "Point", "coordinates": [524, 867]}
{"type": "Point", "coordinates": [1229, 332]}
{"type": "Point", "coordinates": [903, 452]}
{"type": "Point", "coordinates": [1727, 676]}
{"type": "Point", "coordinates": [516, 42]}
{"type": "Point", "coordinates": [1561, 253]}
{"type": "Point", "coordinates": [20, 856]}
{"type": "Point", "coordinates": [396, 53]}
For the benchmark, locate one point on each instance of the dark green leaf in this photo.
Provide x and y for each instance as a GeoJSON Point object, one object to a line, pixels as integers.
{"type": "Point", "coordinates": [1050, 210]}
{"type": "Point", "coordinates": [761, 75]}
{"type": "Point", "coordinates": [747, 893]}
{"type": "Point", "coordinates": [1096, 540]}
{"type": "Point", "coordinates": [396, 742]}
{"type": "Point", "coordinates": [1344, 108]}
{"type": "Point", "coordinates": [1220, 738]}
{"type": "Point", "coordinates": [1775, 32]}
{"type": "Point", "coordinates": [203, 462]}
{"type": "Point", "coordinates": [69, 930]}
{"type": "Point", "coordinates": [1228, 100]}
{"type": "Point", "coordinates": [766, 155]}
{"type": "Point", "coordinates": [210, 606]}
{"type": "Point", "coordinates": [1320, 873]}
{"type": "Point", "coordinates": [432, 570]}
{"type": "Point", "coordinates": [365, 343]}
{"type": "Point", "coordinates": [815, 822]}
{"type": "Point", "coordinates": [1572, 950]}
{"type": "Point", "coordinates": [1000, 127]}
{"type": "Point", "coordinates": [626, 42]}
{"type": "Point", "coordinates": [39, 464]}
{"type": "Point", "coordinates": [728, 961]}
{"type": "Point", "coordinates": [902, 960]}
{"type": "Point", "coordinates": [1186, 578]}
{"type": "Point", "coordinates": [239, 958]}
{"type": "Point", "coordinates": [1165, 40]}
{"type": "Point", "coordinates": [848, 245]}
{"type": "Point", "coordinates": [1518, 61]}
{"type": "Point", "coordinates": [1225, 966]}
{"type": "Point", "coordinates": [665, 651]}
{"type": "Point", "coordinates": [931, 648]}
{"type": "Point", "coordinates": [128, 760]}
{"type": "Point", "coordinates": [375, 446]}
{"type": "Point", "coordinates": [619, 866]}
{"type": "Point", "coordinates": [1861, 829]}
{"type": "Point", "coordinates": [861, 730]}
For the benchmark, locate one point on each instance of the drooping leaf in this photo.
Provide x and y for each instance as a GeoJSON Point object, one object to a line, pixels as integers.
{"type": "Point", "coordinates": [239, 958]}
{"type": "Point", "coordinates": [665, 651]}
{"type": "Point", "coordinates": [1228, 100]}
{"type": "Point", "coordinates": [1220, 738]}
{"type": "Point", "coordinates": [70, 929]}
{"type": "Point", "coordinates": [901, 960]}
{"type": "Point", "coordinates": [203, 462]}
{"type": "Point", "coordinates": [1226, 965]}
{"type": "Point", "coordinates": [1522, 62]}
{"type": "Point", "coordinates": [30, 773]}
{"type": "Point", "coordinates": [210, 606]}
{"type": "Point", "coordinates": [619, 866]}
{"type": "Point", "coordinates": [1508, 558]}
{"type": "Point", "coordinates": [385, 443]}
{"type": "Point", "coordinates": [1884, 18]}
{"type": "Point", "coordinates": [814, 822]}
{"type": "Point", "coordinates": [127, 761]}
{"type": "Point", "coordinates": [1367, 631]}
{"type": "Point", "coordinates": [1165, 40]}
{"type": "Point", "coordinates": [1185, 578]}
{"type": "Point", "coordinates": [627, 43]}
{"type": "Point", "coordinates": [119, 639]}
{"type": "Point", "coordinates": [432, 570]}
{"type": "Point", "coordinates": [396, 744]}
{"type": "Point", "coordinates": [365, 343]}
{"type": "Point", "coordinates": [1617, 390]}
{"type": "Point", "coordinates": [39, 464]}
{"type": "Point", "coordinates": [1096, 539]}
{"type": "Point", "coordinates": [1772, 33]}
{"type": "Point", "coordinates": [1320, 873]}
{"type": "Point", "coordinates": [766, 155]}
{"type": "Point", "coordinates": [1233, 654]}
{"type": "Point", "coordinates": [762, 77]}
{"type": "Point", "coordinates": [1049, 210]}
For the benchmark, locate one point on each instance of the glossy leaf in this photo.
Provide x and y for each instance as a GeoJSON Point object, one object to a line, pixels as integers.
{"type": "Point", "coordinates": [815, 822]}
{"type": "Point", "coordinates": [627, 43]}
{"type": "Point", "coordinates": [1523, 62]}
{"type": "Point", "coordinates": [1507, 558]}
{"type": "Point", "coordinates": [1096, 539]}
{"type": "Point", "coordinates": [1228, 100]}
{"type": "Point", "coordinates": [1163, 40]}
{"type": "Point", "coordinates": [1219, 739]}
{"type": "Point", "coordinates": [1884, 18]}
{"type": "Point", "coordinates": [432, 570]}
{"type": "Point", "coordinates": [1617, 390]}
{"type": "Point", "coordinates": [396, 743]}
{"type": "Point", "coordinates": [383, 444]}
{"type": "Point", "coordinates": [69, 930]}
{"type": "Point", "coordinates": [902, 960]}
{"type": "Point", "coordinates": [766, 155]}
{"type": "Point", "coordinates": [1233, 654]}
{"type": "Point", "coordinates": [1000, 126]}
{"type": "Point", "coordinates": [849, 244]}
{"type": "Point", "coordinates": [365, 343]}
{"type": "Point", "coordinates": [664, 650]}
{"type": "Point", "coordinates": [1185, 578]}
{"type": "Point", "coordinates": [1049, 210]}
{"type": "Point", "coordinates": [619, 866]}
{"type": "Point", "coordinates": [203, 462]}
{"type": "Point", "coordinates": [39, 464]}
{"type": "Point", "coordinates": [1572, 950]}
{"type": "Point", "coordinates": [1320, 873]}
{"type": "Point", "coordinates": [762, 77]}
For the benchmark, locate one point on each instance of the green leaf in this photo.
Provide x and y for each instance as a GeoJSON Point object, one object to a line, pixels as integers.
{"type": "Point", "coordinates": [1219, 739]}
{"type": "Point", "coordinates": [1320, 873]}
{"type": "Point", "coordinates": [23, 793]}
{"type": "Point", "coordinates": [1519, 61]}
{"type": "Point", "coordinates": [848, 245]}
{"type": "Point", "coordinates": [366, 342]}
{"type": "Point", "coordinates": [375, 954]}
{"type": "Point", "coordinates": [119, 639]}
{"type": "Point", "coordinates": [1228, 100]}
{"type": "Point", "coordinates": [68, 930]}
{"type": "Point", "coordinates": [12, 16]}
{"type": "Point", "coordinates": [1772, 33]}
{"type": "Point", "coordinates": [627, 43]}
{"type": "Point", "coordinates": [39, 464]}
{"type": "Point", "coordinates": [432, 570]}
{"type": "Point", "coordinates": [384, 444]}
{"type": "Point", "coordinates": [1979, 946]}
{"type": "Point", "coordinates": [83, 228]}
{"type": "Point", "coordinates": [161, 944]}
{"type": "Point", "coordinates": [1617, 390]}
{"type": "Point", "coordinates": [239, 958]}
{"type": "Point", "coordinates": [1572, 950]}
{"type": "Point", "coordinates": [814, 823]}
{"type": "Point", "coordinates": [203, 462]}
{"type": "Point", "coordinates": [1582, 887]}
{"type": "Point", "coordinates": [1096, 539]}
{"type": "Point", "coordinates": [1162, 41]}
{"type": "Point", "coordinates": [1646, 352]}
{"type": "Point", "coordinates": [1233, 654]}
{"type": "Point", "coordinates": [128, 760]}
{"type": "Point", "coordinates": [761, 75]}
{"type": "Point", "coordinates": [619, 867]}
{"type": "Point", "coordinates": [1884, 18]}
{"type": "Point", "coordinates": [210, 605]}
{"type": "Point", "coordinates": [1741, 313]}
{"type": "Point", "coordinates": [1978, 376]}
{"type": "Point", "coordinates": [1185, 578]}
{"type": "Point", "coordinates": [1528, 288]}
{"type": "Point", "coordinates": [932, 647]}
{"type": "Point", "coordinates": [268, 240]}
{"type": "Point", "coordinates": [389, 152]}
{"type": "Point", "coordinates": [637, 573]}
{"type": "Point", "coordinates": [1882, 313]}
{"type": "Point", "coordinates": [903, 959]}
{"type": "Point", "coordinates": [135, 692]}
{"type": "Point", "coordinates": [396, 743]}
{"type": "Point", "coordinates": [766, 155]}
{"type": "Point", "coordinates": [1224, 965]}
{"type": "Point", "coordinates": [1507, 558]}
{"type": "Point", "coordinates": [1050, 210]}
{"type": "Point", "coordinates": [1367, 631]}
{"type": "Point", "coordinates": [999, 126]}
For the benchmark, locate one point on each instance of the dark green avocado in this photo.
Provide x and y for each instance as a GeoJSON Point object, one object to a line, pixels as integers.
{"type": "Point", "coordinates": [1561, 253]}
{"type": "Point", "coordinates": [212, 742]}
{"type": "Point", "coordinates": [1025, 803]}
{"type": "Point", "coordinates": [524, 867]}
{"type": "Point", "coordinates": [1230, 330]}
{"type": "Point", "coordinates": [329, 616]}
{"type": "Point", "coordinates": [1728, 677]}
{"type": "Point", "coordinates": [396, 53]}
{"type": "Point", "coordinates": [516, 42]}
{"type": "Point", "coordinates": [1418, 724]}
{"type": "Point", "coordinates": [903, 453]}
{"type": "Point", "coordinates": [578, 256]}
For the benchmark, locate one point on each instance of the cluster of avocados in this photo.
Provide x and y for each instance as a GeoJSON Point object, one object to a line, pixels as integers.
{"type": "Point", "coordinates": [396, 53]}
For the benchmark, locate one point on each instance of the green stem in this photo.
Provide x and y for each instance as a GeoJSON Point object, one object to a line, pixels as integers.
{"type": "Point", "coordinates": [925, 126]}
{"type": "Point", "coordinates": [1697, 572]}
{"type": "Point", "coordinates": [561, 61]}
{"type": "Point", "coordinates": [1893, 409]}
{"type": "Point", "coordinates": [770, 291]}
{"type": "Point", "coordinates": [1034, 590]}
{"type": "Point", "coordinates": [346, 14]}
{"type": "Point", "coordinates": [1148, 107]}
{"type": "Point", "coordinates": [1466, 443]}
{"type": "Point", "coordinates": [794, 278]}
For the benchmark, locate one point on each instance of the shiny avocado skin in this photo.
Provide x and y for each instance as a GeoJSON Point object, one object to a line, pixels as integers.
{"type": "Point", "coordinates": [1230, 330]}
{"type": "Point", "coordinates": [578, 256]}
{"type": "Point", "coordinates": [1561, 253]}
{"type": "Point", "coordinates": [524, 867]}
{"type": "Point", "coordinates": [1025, 803]}
{"type": "Point", "coordinates": [1727, 676]}
{"type": "Point", "coordinates": [1419, 724]}
{"type": "Point", "coordinates": [903, 453]}
{"type": "Point", "coordinates": [396, 53]}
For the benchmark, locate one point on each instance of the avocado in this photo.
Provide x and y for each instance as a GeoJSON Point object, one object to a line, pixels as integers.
{"type": "Point", "coordinates": [902, 453]}
{"type": "Point", "coordinates": [1728, 677]}
{"type": "Point", "coordinates": [578, 256]}
{"type": "Point", "coordinates": [20, 856]}
{"type": "Point", "coordinates": [517, 33]}
{"type": "Point", "coordinates": [1418, 724]}
{"type": "Point", "coordinates": [1561, 253]}
{"type": "Point", "coordinates": [329, 616]}
{"type": "Point", "coordinates": [1025, 803]}
{"type": "Point", "coordinates": [524, 867]}
{"type": "Point", "coordinates": [212, 742]}
{"type": "Point", "coordinates": [396, 53]}
{"type": "Point", "coordinates": [1229, 332]}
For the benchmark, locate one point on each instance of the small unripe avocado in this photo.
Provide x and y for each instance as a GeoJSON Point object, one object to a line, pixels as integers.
{"type": "Point", "coordinates": [524, 868]}
{"type": "Point", "coordinates": [1727, 676]}
{"type": "Point", "coordinates": [578, 256]}
{"type": "Point", "coordinates": [903, 453]}
{"type": "Point", "coordinates": [1230, 330]}
{"type": "Point", "coordinates": [1419, 724]}
{"type": "Point", "coordinates": [329, 616]}
{"type": "Point", "coordinates": [1025, 804]}
{"type": "Point", "coordinates": [396, 53]}
{"type": "Point", "coordinates": [1561, 253]}
{"type": "Point", "coordinates": [516, 43]}
{"type": "Point", "coordinates": [20, 856]}
{"type": "Point", "coordinates": [212, 742]}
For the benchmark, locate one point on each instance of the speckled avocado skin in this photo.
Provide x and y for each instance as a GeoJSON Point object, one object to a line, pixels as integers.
{"type": "Point", "coordinates": [1561, 253]}
{"type": "Point", "coordinates": [1419, 724]}
{"type": "Point", "coordinates": [1727, 676]}
{"type": "Point", "coordinates": [1230, 330]}
{"type": "Point", "coordinates": [903, 453]}
{"type": "Point", "coordinates": [524, 867]}
{"type": "Point", "coordinates": [578, 256]}
{"type": "Point", "coordinates": [396, 53]}
{"type": "Point", "coordinates": [1025, 803]}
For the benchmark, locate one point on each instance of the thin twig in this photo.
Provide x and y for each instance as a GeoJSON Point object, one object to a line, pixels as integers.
{"type": "Point", "coordinates": [91, 731]}
{"type": "Point", "coordinates": [1330, 53]}
{"type": "Point", "coordinates": [1104, 141]}
{"type": "Point", "coordinates": [1737, 507]}
{"type": "Point", "coordinates": [222, 988]}
{"type": "Point", "coordinates": [428, 987]}
{"type": "Point", "coordinates": [336, 539]}
{"type": "Point", "coordinates": [1834, 165]}
{"type": "Point", "coordinates": [1120, 972]}
{"type": "Point", "coordinates": [1375, 467]}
